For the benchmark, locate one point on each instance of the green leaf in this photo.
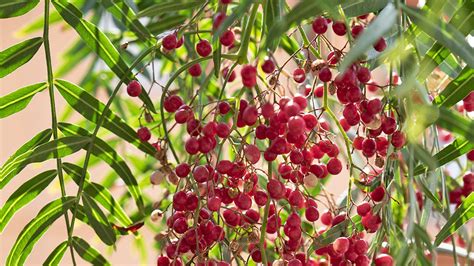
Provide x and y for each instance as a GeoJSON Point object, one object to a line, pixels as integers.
{"type": "Point", "coordinates": [15, 8]}
{"type": "Point", "coordinates": [88, 253]}
{"type": "Point", "coordinates": [56, 255]}
{"type": "Point", "coordinates": [25, 194]}
{"type": "Point", "coordinates": [19, 99]}
{"type": "Point", "coordinates": [167, 7]}
{"type": "Point", "coordinates": [376, 29]}
{"type": "Point", "coordinates": [99, 193]}
{"type": "Point", "coordinates": [455, 123]}
{"type": "Point", "coordinates": [123, 13]}
{"type": "Point", "coordinates": [89, 107]}
{"type": "Point", "coordinates": [427, 192]}
{"type": "Point", "coordinates": [449, 153]}
{"type": "Point", "coordinates": [445, 33]}
{"type": "Point", "coordinates": [462, 215]}
{"type": "Point", "coordinates": [54, 149]}
{"type": "Point", "coordinates": [463, 19]}
{"type": "Point", "coordinates": [166, 23]}
{"type": "Point", "coordinates": [272, 12]}
{"type": "Point", "coordinates": [35, 229]}
{"type": "Point", "coordinates": [457, 89]}
{"type": "Point", "coordinates": [362, 7]}
{"type": "Point", "coordinates": [18, 54]}
{"type": "Point", "coordinates": [99, 43]}
{"type": "Point", "coordinates": [98, 221]}
{"type": "Point", "coordinates": [303, 10]}
{"type": "Point", "coordinates": [39, 139]}
{"type": "Point", "coordinates": [108, 154]}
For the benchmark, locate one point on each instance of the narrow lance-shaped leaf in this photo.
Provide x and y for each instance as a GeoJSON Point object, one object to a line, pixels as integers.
{"type": "Point", "coordinates": [458, 148]}
{"type": "Point", "coordinates": [25, 194]}
{"type": "Point", "coordinates": [56, 255]}
{"type": "Point", "coordinates": [445, 33]}
{"type": "Point", "coordinates": [462, 215]}
{"type": "Point", "coordinates": [362, 7]}
{"type": "Point", "coordinates": [35, 229]}
{"type": "Point", "coordinates": [89, 107]}
{"type": "Point", "coordinates": [37, 140]}
{"type": "Point", "coordinates": [54, 149]}
{"type": "Point", "coordinates": [237, 14]}
{"type": "Point", "coordinates": [17, 55]}
{"type": "Point", "coordinates": [463, 19]}
{"type": "Point", "coordinates": [166, 7]}
{"type": "Point", "coordinates": [99, 43]}
{"type": "Point", "coordinates": [108, 154]}
{"type": "Point", "coordinates": [98, 221]}
{"type": "Point", "coordinates": [380, 26]}
{"type": "Point", "coordinates": [19, 99]}
{"type": "Point", "coordinates": [457, 89]}
{"type": "Point", "coordinates": [98, 192]}
{"type": "Point", "coordinates": [456, 124]}
{"type": "Point", "coordinates": [88, 253]}
{"type": "Point", "coordinates": [122, 12]}
{"type": "Point", "coordinates": [14, 8]}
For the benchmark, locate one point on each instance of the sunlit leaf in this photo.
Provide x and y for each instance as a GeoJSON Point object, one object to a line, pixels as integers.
{"type": "Point", "coordinates": [24, 195]}
{"type": "Point", "coordinates": [99, 193]}
{"type": "Point", "coordinates": [98, 221]}
{"type": "Point", "coordinates": [166, 7]}
{"type": "Point", "coordinates": [88, 253]}
{"type": "Point", "coordinates": [462, 215]}
{"type": "Point", "coordinates": [54, 149]}
{"type": "Point", "coordinates": [19, 99]}
{"type": "Point", "coordinates": [14, 8]}
{"type": "Point", "coordinates": [457, 89]}
{"type": "Point", "coordinates": [18, 54]}
{"type": "Point", "coordinates": [36, 228]}
{"type": "Point", "coordinates": [56, 255]}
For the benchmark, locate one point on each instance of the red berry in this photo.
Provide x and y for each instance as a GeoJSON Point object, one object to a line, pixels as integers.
{"type": "Point", "coordinates": [334, 166]}
{"type": "Point", "coordinates": [243, 201]}
{"type": "Point", "coordinates": [398, 139]}
{"type": "Point", "coordinates": [182, 170]}
{"type": "Point", "coordinates": [201, 174]}
{"type": "Point", "coordinates": [134, 88]}
{"type": "Point", "coordinates": [195, 70]}
{"type": "Point", "coordinates": [383, 260]}
{"type": "Point", "coordinates": [203, 48]}
{"type": "Point", "coordinates": [224, 108]}
{"type": "Point", "coordinates": [268, 66]}
{"type": "Point", "coordinates": [163, 261]}
{"type": "Point", "coordinates": [374, 106]}
{"type": "Point", "coordinates": [227, 38]}
{"type": "Point", "coordinates": [276, 189]}
{"type": "Point", "coordinates": [319, 91]}
{"type": "Point", "coordinates": [470, 155]}
{"type": "Point", "coordinates": [363, 209]}
{"type": "Point", "coordinates": [299, 75]}
{"type": "Point", "coordinates": [389, 125]}
{"type": "Point", "coordinates": [326, 218]}
{"type": "Point", "coordinates": [339, 27]}
{"type": "Point", "coordinates": [363, 74]}
{"type": "Point", "coordinates": [357, 143]}
{"type": "Point", "coordinates": [260, 198]}
{"type": "Point", "coordinates": [144, 134]}
{"type": "Point", "coordinates": [380, 45]}
{"type": "Point", "coordinates": [249, 75]}
{"type": "Point", "coordinates": [325, 74]}
{"type": "Point", "coordinates": [361, 247]}
{"type": "Point", "coordinates": [378, 194]}
{"type": "Point", "coordinates": [312, 214]}
{"type": "Point", "coordinates": [232, 76]}
{"type": "Point", "coordinates": [172, 103]}
{"type": "Point", "coordinates": [192, 145]}
{"type": "Point", "coordinates": [369, 147]}
{"type": "Point", "coordinates": [341, 245]}
{"type": "Point", "coordinates": [356, 31]}
{"type": "Point", "coordinates": [252, 153]}
{"type": "Point", "coordinates": [320, 25]}
{"type": "Point", "coordinates": [170, 42]}
{"type": "Point", "coordinates": [223, 130]}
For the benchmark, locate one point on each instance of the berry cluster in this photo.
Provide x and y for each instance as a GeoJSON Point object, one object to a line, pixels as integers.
{"type": "Point", "coordinates": [237, 202]}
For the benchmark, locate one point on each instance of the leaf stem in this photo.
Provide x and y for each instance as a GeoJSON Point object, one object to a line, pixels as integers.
{"type": "Point", "coordinates": [54, 120]}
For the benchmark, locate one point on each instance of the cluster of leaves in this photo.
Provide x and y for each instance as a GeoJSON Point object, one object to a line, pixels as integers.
{"type": "Point", "coordinates": [422, 45]}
